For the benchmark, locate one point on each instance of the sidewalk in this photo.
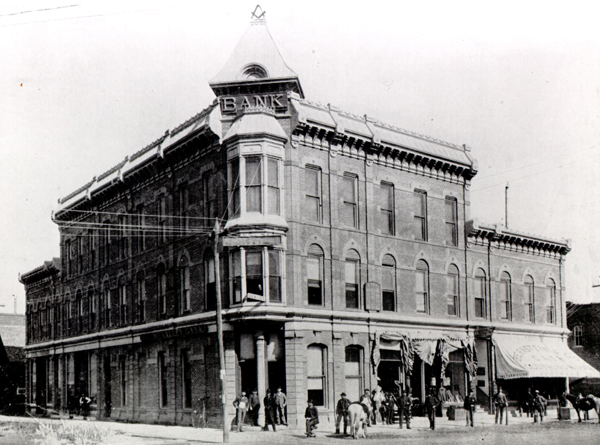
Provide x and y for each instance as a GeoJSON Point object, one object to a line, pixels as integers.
{"type": "Point", "coordinates": [138, 433]}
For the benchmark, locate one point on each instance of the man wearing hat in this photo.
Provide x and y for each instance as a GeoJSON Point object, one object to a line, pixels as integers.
{"type": "Point", "coordinates": [341, 411]}
{"type": "Point", "coordinates": [404, 405]}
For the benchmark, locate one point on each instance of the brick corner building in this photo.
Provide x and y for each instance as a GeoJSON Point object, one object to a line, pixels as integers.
{"type": "Point", "coordinates": [348, 260]}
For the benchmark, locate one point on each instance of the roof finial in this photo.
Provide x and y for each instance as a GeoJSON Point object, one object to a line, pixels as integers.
{"type": "Point", "coordinates": [258, 15]}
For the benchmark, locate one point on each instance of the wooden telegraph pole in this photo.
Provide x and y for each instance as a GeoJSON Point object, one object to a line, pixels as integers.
{"type": "Point", "coordinates": [220, 332]}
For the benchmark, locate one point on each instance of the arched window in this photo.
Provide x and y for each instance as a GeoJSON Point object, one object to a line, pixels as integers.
{"type": "Point", "coordinates": [550, 301]}
{"type": "Point", "coordinates": [452, 290]}
{"type": "Point", "coordinates": [505, 296]}
{"type": "Point", "coordinates": [479, 293]}
{"type": "Point", "coordinates": [314, 273]}
{"type": "Point", "coordinates": [161, 283]}
{"type": "Point", "coordinates": [352, 279]}
{"type": "Point", "coordinates": [422, 287]}
{"type": "Point", "coordinates": [316, 373]}
{"type": "Point", "coordinates": [184, 285]}
{"type": "Point", "coordinates": [388, 284]}
{"type": "Point", "coordinates": [529, 298]}
{"type": "Point", "coordinates": [353, 371]}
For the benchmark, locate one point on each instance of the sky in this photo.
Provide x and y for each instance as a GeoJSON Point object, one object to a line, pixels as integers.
{"type": "Point", "coordinates": [85, 83]}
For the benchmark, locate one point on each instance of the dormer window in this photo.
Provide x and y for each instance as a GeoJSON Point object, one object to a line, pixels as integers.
{"type": "Point", "coordinates": [254, 72]}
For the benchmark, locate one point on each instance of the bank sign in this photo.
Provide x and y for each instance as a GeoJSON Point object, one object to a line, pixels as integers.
{"type": "Point", "coordinates": [235, 104]}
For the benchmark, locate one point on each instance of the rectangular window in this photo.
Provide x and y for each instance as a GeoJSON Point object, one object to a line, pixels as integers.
{"type": "Point", "coordinates": [316, 374]}
{"type": "Point", "coordinates": [313, 198]}
{"type": "Point", "coordinates": [210, 199]}
{"type": "Point", "coordinates": [529, 302]}
{"type": "Point", "coordinates": [254, 272]}
{"type": "Point", "coordinates": [211, 289]}
{"type": "Point", "coordinates": [68, 256]}
{"type": "Point", "coordinates": [273, 199]}
{"type": "Point", "coordinates": [184, 209]}
{"type": "Point", "coordinates": [386, 217]}
{"type": "Point", "coordinates": [108, 307]}
{"type": "Point", "coordinates": [451, 222]}
{"type": "Point", "coordinates": [551, 305]}
{"type": "Point", "coordinates": [578, 336]}
{"type": "Point", "coordinates": [93, 310]}
{"type": "Point", "coordinates": [237, 276]}
{"type": "Point", "coordinates": [314, 269]}
{"type": "Point", "coordinates": [349, 211]}
{"type": "Point", "coordinates": [162, 218]}
{"type": "Point", "coordinates": [141, 295]}
{"type": "Point", "coordinates": [479, 296]}
{"type": "Point", "coordinates": [79, 254]}
{"type": "Point", "coordinates": [235, 186]}
{"type": "Point", "coordinates": [388, 288]}
{"type": "Point", "coordinates": [123, 236]}
{"type": "Point", "coordinates": [274, 277]}
{"type": "Point", "coordinates": [352, 284]}
{"type": "Point", "coordinates": [142, 228]}
{"type": "Point", "coordinates": [186, 378]}
{"type": "Point", "coordinates": [353, 373]}
{"type": "Point", "coordinates": [162, 292]}
{"type": "Point", "coordinates": [452, 289]}
{"type": "Point", "coordinates": [162, 380]}
{"type": "Point", "coordinates": [253, 184]}
{"type": "Point", "coordinates": [422, 291]}
{"type": "Point", "coordinates": [420, 211]}
{"type": "Point", "coordinates": [505, 299]}
{"type": "Point", "coordinates": [184, 276]}
{"type": "Point", "coordinates": [92, 249]}
{"type": "Point", "coordinates": [123, 303]}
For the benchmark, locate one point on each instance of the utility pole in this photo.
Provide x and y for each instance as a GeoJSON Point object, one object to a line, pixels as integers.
{"type": "Point", "coordinates": [220, 332]}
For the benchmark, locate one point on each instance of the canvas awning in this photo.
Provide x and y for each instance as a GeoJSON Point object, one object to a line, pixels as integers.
{"type": "Point", "coordinates": [519, 356]}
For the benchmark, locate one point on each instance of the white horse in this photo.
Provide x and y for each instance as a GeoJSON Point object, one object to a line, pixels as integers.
{"type": "Point", "coordinates": [357, 417]}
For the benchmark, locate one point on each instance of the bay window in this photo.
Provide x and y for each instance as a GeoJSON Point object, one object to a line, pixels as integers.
{"type": "Point", "coordinates": [256, 274]}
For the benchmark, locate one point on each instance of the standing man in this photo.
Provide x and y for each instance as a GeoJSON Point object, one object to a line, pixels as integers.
{"type": "Point", "coordinates": [365, 401]}
{"type": "Point", "coordinates": [280, 404]}
{"type": "Point", "coordinates": [341, 411]}
{"type": "Point", "coordinates": [254, 402]}
{"type": "Point", "coordinates": [377, 400]}
{"type": "Point", "coordinates": [538, 406]}
{"type": "Point", "coordinates": [431, 403]}
{"type": "Point", "coordinates": [404, 405]}
{"type": "Point", "coordinates": [501, 406]}
{"type": "Point", "coordinates": [469, 405]}
{"type": "Point", "coordinates": [269, 404]}
{"type": "Point", "coordinates": [241, 406]}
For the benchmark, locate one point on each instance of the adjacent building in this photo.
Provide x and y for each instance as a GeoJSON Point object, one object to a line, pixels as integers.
{"type": "Point", "coordinates": [347, 253]}
{"type": "Point", "coordinates": [583, 320]}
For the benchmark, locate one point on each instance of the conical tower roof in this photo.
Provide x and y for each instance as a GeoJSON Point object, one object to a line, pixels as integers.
{"type": "Point", "coordinates": [255, 59]}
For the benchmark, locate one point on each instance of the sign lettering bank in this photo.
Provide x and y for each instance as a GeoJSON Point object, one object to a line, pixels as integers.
{"type": "Point", "coordinates": [235, 104]}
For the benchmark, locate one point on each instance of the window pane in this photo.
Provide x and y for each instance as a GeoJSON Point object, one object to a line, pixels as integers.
{"type": "Point", "coordinates": [350, 272]}
{"type": "Point", "coordinates": [253, 203]}
{"type": "Point", "coordinates": [253, 175]}
{"type": "Point", "coordinates": [314, 361]}
{"type": "Point", "coordinates": [313, 268]}
{"type": "Point", "coordinates": [388, 281]}
{"type": "Point", "coordinates": [312, 181]}
{"type": "Point", "coordinates": [349, 189]}
{"type": "Point", "coordinates": [273, 173]}
{"type": "Point", "coordinates": [273, 201]}
{"type": "Point", "coordinates": [388, 300]}
{"type": "Point", "coordinates": [254, 263]}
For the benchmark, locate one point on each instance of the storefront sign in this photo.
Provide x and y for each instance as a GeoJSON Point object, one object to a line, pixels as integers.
{"type": "Point", "coordinates": [235, 104]}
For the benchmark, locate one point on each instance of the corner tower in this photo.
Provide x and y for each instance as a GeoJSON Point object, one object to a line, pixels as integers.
{"type": "Point", "coordinates": [253, 91]}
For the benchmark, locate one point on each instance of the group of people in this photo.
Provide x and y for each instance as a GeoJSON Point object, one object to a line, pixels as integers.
{"type": "Point", "coordinates": [275, 409]}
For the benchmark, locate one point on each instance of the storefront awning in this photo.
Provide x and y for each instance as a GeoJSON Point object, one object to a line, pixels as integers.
{"type": "Point", "coordinates": [519, 356]}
